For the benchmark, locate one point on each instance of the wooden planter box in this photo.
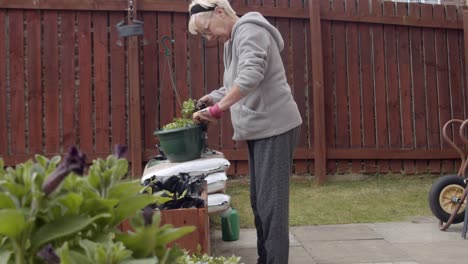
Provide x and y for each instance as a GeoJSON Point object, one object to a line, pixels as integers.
{"type": "Point", "coordinates": [190, 217]}
{"type": "Point", "coordinates": [197, 217]}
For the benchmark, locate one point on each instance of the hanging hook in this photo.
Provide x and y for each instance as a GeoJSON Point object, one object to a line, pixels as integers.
{"type": "Point", "coordinates": [167, 51]}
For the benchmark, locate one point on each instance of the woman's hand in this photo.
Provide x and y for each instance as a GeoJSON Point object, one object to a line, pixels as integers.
{"type": "Point", "coordinates": [203, 102]}
{"type": "Point", "coordinates": [203, 116]}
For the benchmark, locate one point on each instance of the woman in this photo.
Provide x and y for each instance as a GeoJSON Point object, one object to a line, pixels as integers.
{"type": "Point", "coordinates": [263, 113]}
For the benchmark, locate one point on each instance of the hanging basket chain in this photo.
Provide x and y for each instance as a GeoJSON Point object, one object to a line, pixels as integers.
{"type": "Point", "coordinates": [167, 54]}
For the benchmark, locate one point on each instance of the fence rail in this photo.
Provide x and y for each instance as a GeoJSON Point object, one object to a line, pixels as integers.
{"type": "Point", "coordinates": [374, 81]}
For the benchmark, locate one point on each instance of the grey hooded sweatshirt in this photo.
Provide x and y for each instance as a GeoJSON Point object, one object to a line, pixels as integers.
{"type": "Point", "coordinates": [252, 61]}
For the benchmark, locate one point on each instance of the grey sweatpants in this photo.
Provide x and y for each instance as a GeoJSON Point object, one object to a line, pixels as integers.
{"type": "Point", "coordinates": [270, 164]}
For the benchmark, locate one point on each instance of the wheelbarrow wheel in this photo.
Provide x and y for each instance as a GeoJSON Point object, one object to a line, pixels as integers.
{"type": "Point", "coordinates": [445, 197]}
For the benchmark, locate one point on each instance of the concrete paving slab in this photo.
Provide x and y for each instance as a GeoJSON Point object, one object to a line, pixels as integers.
{"type": "Point", "coordinates": [446, 252]}
{"type": "Point", "coordinates": [334, 232]}
{"type": "Point", "coordinates": [247, 239]}
{"type": "Point", "coordinates": [417, 242]}
{"type": "Point", "coordinates": [355, 251]}
{"type": "Point", "coordinates": [405, 232]}
{"type": "Point", "coordinates": [248, 255]}
{"type": "Point", "coordinates": [411, 262]}
{"type": "Point", "coordinates": [297, 255]}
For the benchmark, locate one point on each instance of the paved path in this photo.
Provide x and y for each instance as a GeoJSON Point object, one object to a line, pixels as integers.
{"type": "Point", "coordinates": [417, 242]}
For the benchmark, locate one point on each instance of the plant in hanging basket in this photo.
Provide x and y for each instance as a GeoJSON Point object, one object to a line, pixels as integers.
{"type": "Point", "coordinates": [188, 107]}
{"type": "Point", "coordinates": [182, 140]}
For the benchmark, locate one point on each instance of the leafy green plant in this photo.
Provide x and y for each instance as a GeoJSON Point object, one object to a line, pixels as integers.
{"type": "Point", "coordinates": [188, 108]}
{"type": "Point", "coordinates": [199, 258]}
{"type": "Point", "coordinates": [52, 215]}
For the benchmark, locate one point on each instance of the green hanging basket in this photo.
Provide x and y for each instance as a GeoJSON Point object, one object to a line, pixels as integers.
{"type": "Point", "coordinates": [182, 144]}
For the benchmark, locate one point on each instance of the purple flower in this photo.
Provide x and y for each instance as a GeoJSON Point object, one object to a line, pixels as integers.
{"type": "Point", "coordinates": [48, 254]}
{"type": "Point", "coordinates": [148, 215]}
{"type": "Point", "coordinates": [120, 151]}
{"type": "Point", "coordinates": [74, 161]}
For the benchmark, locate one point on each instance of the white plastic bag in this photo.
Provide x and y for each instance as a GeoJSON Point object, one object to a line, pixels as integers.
{"type": "Point", "coordinates": [216, 182]}
{"type": "Point", "coordinates": [204, 166]}
{"type": "Point", "coordinates": [218, 203]}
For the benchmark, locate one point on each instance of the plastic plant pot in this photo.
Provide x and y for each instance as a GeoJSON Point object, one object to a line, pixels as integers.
{"type": "Point", "coordinates": [182, 144]}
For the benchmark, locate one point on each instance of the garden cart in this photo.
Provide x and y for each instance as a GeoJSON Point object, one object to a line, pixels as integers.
{"type": "Point", "coordinates": [448, 194]}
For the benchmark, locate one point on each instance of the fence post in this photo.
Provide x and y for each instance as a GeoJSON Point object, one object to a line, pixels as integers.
{"type": "Point", "coordinates": [134, 86]}
{"type": "Point", "coordinates": [320, 148]}
{"type": "Point", "coordinates": [465, 42]}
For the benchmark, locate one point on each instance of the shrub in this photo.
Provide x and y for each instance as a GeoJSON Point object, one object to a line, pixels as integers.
{"type": "Point", "coordinates": [52, 215]}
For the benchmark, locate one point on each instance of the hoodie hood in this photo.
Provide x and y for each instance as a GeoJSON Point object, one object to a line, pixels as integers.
{"type": "Point", "coordinates": [258, 19]}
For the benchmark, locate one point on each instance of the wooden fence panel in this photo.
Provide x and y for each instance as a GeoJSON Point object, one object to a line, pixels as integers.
{"type": "Point", "coordinates": [367, 86]}
{"type": "Point", "coordinates": [417, 57]}
{"type": "Point", "coordinates": [85, 115]}
{"type": "Point", "coordinates": [431, 110]}
{"type": "Point", "coordinates": [393, 74]}
{"type": "Point", "coordinates": [341, 82]}
{"type": "Point", "coordinates": [51, 83]}
{"type": "Point", "coordinates": [463, 54]}
{"type": "Point", "coordinates": [17, 89]}
{"type": "Point", "coordinates": [404, 76]}
{"type": "Point", "coordinates": [180, 57]}
{"type": "Point", "coordinates": [354, 89]}
{"type": "Point", "coordinates": [284, 26]}
{"type": "Point", "coordinates": [101, 82]}
{"type": "Point", "coordinates": [67, 74]}
{"type": "Point", "coordinates": [328, 82]}
{"type": "Point", "coordinates": [236, 4]}
{"type": "Point", "coordinates": [457, 83]}
{"type": "Point", "coordinates": [379, 88]}
{"type": "Point", "coordinates": [310, 118]}
{"type": "Point", "coordinates": [118, 73]}
{"type": "Point", "coordinates": [34, 77]}
{"type": "Point", "coordinates": [167, 99]}
{"type": "Point", "coordinates": [196, 66]}
{"type": "Point", "coordinates": [391, 87]}
{"type": "Point", "coordinates": [226, 142]}
{"type": "Point", "coordinates": [151, 65]}
{"type": "Point", "coordinates": [454, 77]}
{"type": "Point", "coordinates": [299, 84]}
{"type": "Point", "coordinates": [443, 95]}
{"type": "Point", "coordinates": [211, 75]}
{"type": "Point", "coordinates": [4, 150]}
{"type": "Point", "coordinates": [242, 167]}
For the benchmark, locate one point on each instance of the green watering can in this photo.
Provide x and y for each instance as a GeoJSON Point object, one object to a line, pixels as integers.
{"type": "Point", "coordinates": [230, 225]}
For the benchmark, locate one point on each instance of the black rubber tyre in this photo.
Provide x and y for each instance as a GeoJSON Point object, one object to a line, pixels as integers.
{"type": "Point", "coordinates": [445, 186]}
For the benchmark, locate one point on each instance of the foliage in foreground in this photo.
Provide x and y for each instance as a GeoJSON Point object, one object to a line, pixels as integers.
{"type": "Point", "coordinates": [52, 215]}
{"type": "Point", "coordinates": [199, 258]}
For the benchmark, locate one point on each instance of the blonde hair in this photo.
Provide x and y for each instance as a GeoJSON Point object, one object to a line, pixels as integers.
{"type": "Point", "coordinates": [224, 4]}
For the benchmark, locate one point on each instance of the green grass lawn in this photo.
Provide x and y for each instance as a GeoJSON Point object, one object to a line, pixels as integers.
{"type": "Point", "coordinates": [377, 199]}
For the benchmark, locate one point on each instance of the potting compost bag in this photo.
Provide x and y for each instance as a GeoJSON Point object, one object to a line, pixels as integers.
{"type": "Point", "coordinates": [218, 203]}
{"type": "Point", "coordinates": [216, 182]}
{"type": "Point", "coordinates": [203, 166]}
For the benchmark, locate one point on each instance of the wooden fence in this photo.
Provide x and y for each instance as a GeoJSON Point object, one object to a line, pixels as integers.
{"type": "Point", "coordinates": [374, 81]}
